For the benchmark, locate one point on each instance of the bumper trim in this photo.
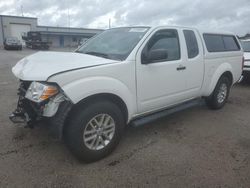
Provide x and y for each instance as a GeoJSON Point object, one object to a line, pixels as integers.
{"type": "Point", "coordinates": [17, 118]}
{"type": "Point", "coordinates": [21, 118]}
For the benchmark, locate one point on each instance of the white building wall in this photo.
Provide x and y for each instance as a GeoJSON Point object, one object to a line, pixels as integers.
{"type": "Point", "coordinates": [70, 41]}
{"type": "Point", "coordinates": [18, 30]}
{"type": "Point", "coordinates": [54, 40]}
{"type": "Point", "coordinates": [6, 23]}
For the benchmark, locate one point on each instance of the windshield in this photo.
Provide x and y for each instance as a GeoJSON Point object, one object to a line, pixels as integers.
{"type": "Point", "coordinates": [12, 39]}
{"type": "Point", "coordinates": [115, 43]}
{"type": "Point", "coordinates": [246, 46]}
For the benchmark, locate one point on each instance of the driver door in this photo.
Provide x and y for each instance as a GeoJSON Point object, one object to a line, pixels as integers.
{"type": "Point", "coordinates": [160, 70]}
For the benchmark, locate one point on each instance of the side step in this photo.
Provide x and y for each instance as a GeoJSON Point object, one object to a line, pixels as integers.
{"type": "Point", "coordinates": [155, 116]}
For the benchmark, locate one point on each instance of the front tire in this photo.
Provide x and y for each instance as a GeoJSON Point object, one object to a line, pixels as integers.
{"type": "Point", "coordinates": [94, 130]}
{"type": "Point", "coordinates": [220, 94]}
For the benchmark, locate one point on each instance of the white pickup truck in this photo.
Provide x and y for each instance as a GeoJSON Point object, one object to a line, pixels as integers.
{"type": "Point", "coordinates": [246, 69]}
{"type": "Point", "coordinates": [121, 76]}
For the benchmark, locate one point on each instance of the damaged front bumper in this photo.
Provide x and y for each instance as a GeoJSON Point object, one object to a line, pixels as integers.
{"type": "Point", "coordinates": [26, 112]}
{"type": "Point", "coordinates": [19, 117]}
{"type": "Point", "coordinates": [29, 113]}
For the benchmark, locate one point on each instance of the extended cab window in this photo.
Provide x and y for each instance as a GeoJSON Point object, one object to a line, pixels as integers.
{"type": "Point", "coordinates": [191, 42]}
{"type": "Point", "coordinates": [221, 43]}
{"type": "Point", "coordinates": [163, 46]}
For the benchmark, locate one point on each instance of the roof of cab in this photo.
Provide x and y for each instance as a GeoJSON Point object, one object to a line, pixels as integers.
{"type": "Point", "coordinates": [200, 30]}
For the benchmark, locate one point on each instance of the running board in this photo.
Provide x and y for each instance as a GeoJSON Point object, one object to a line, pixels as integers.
{"type": "Point", "coordinates": [155, 116]}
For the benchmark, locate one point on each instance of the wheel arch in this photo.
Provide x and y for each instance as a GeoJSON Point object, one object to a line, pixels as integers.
{"type": "Point", "coordinates": [224, 70]}
{"type": "Point", "coordinates": [229, 75]}
{"type": "Point", "coordinates": [105, 97]}
{"type": "Point", "coordinates": [95, 97]}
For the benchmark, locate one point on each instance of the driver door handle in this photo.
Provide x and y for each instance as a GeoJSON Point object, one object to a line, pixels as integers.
{"type": "Point", "coordinates": [181, 67]}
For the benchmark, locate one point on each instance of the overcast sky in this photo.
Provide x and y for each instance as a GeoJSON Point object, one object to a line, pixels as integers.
{"type": "Point", "coordinates": [231, 15]}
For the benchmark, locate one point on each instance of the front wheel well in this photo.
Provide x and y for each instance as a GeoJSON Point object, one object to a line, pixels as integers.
{"type": "Point", "coordinates": [107, 97]}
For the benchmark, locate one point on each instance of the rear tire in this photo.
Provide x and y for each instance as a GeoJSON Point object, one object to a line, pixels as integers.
{"type": "Point", "coordinates": [94, 130]}
{"type": "Point", "coordinates": [220, 94]}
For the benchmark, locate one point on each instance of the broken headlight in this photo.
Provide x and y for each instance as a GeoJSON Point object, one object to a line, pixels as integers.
{"type": "Point", "coordinates": [38, 92]}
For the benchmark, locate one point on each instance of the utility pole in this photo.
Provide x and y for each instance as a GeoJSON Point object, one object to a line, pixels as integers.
{"type": "Point", "coordinates": [22, 10]}
{"type": "Point", "coordinates": [109, 23]}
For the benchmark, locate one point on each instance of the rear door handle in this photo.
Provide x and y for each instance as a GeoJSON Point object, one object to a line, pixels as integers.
{"type": "Point", "coordinates": [180, 68]}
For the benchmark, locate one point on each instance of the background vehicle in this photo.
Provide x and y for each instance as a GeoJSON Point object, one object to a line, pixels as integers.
{"type": "Point", "coordinates": [33, 40]}
{"type": "Point", "coordinates": [124, 75]}
{"type": "Point", "coordinates": [12, 43]}
{"type": "Point", "coordinates": [246, 68]}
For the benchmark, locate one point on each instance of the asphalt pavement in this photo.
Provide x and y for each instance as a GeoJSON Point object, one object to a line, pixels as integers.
{"type": "Point", "coordinates": [197, 147]}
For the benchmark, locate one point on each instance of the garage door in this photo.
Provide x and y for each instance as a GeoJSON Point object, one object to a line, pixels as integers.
{"type": "Point", "coordinates": [17, 30]}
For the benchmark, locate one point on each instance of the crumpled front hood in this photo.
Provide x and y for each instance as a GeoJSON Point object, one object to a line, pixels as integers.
{"type": "Point", "coordinates": [41, 65]}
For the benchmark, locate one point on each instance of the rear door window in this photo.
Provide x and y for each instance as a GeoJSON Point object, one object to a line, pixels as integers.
{"type": "Point", "coordinates": [191, 42]}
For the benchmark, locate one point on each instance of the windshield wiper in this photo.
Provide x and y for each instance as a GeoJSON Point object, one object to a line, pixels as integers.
{"type": "Point", "coordinates": [98, 54]}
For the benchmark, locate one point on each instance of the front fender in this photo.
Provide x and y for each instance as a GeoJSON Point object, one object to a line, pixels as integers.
{"type": "Point", "coordinates": [83, 88]}
{"type": "Point", "coordinates": [225, 67]}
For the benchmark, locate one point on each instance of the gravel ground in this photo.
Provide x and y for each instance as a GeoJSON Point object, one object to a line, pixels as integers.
{"type": "Point", "coordinates": [194, 148]}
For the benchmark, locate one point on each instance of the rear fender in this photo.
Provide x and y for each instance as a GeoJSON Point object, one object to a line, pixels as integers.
{"type": "Point", "coordinates": [225, 67]}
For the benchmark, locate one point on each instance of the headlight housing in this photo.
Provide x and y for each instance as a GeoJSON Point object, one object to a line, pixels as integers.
{"type": "Point", "coordinates": [38, 92]}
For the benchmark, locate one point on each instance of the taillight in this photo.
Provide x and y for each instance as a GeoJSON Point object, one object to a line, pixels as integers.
{"type": "Point", "coordinates": [243, 61]}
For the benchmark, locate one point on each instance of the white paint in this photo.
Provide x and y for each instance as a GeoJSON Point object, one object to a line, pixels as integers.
{"type": "Point", "coordinates": [41, 65]}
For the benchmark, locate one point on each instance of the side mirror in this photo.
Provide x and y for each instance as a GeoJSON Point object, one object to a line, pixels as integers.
{"type": "Point", "coordinates": [154, 56]}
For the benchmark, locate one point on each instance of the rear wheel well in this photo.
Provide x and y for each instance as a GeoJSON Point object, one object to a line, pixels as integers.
{"type": "Point", "coordinates": [229, 75]}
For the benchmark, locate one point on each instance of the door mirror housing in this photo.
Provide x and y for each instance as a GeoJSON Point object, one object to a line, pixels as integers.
{"type": "Point", "coordinates": [154, 56]}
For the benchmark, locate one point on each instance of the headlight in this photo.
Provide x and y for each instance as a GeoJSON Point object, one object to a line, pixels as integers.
{"type": "Point", "coordinates": [39, 92]}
